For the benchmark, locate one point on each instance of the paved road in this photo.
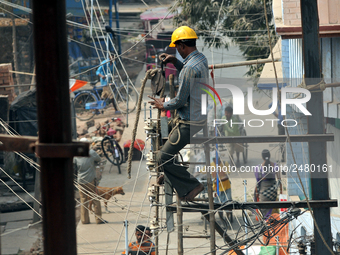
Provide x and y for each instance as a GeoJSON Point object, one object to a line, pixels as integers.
{"type": "Point", "coordinates": [101, 239]}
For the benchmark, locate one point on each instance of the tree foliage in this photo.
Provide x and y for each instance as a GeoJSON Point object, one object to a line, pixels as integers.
{"type": "Point", "coordinates": [243, 21]}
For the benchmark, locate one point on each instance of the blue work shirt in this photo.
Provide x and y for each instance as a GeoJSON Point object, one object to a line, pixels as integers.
{"type": "Point", "coordinates": [105, 68]}
{"type": "Point", "coordinates": [193, 72]}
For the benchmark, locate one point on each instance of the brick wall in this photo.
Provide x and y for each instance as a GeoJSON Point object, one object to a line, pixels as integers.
{"type": "Point", "coordinates": [329, 12]}
{"type": "Point", "coordinates": [291, 13]}
{"type": "Point", "coordinates": [6, 79]}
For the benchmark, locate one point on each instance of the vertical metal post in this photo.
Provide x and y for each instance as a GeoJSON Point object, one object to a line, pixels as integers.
{"type": "Point", "coordinates": [110, 24]}
{"type": "Point", "coordinates": [150, 112]}
{"type": "Point", "coordinates": [179, 227]}
{"type": "Point", "coordinates": [158, 144]}
{"type": "Point", "coordinates": [277, 245]}
{"type": "Point", "coordinates": [91, 18]}
{"type": "Point", "coordinates": [126, 224]}
{"type": "Point", "coordinates": [156, 232]}
{"type": "Point", "coordinates": [110, 13]}
{"type": "Point", "coordinates": [317, 150]}
{"type": "Point", "coordinates": [127, 102]}
{"type": "Point", "coordinates": [54, 123]}
{"type": "Point", "coordinates": [117, 26]}
{"type": "Point", "coordinates": [245, 200]}
{"type": "Point", "coordinates": [37, 194]}
{"type": "Point", "coordinates": [210, 195]}
{"type": "Point", "coordinates": [167, 243]}
{"type": "Point", "coordinates": [109, 75]}
{"type": "Point", "coordinates": [216, 162]}
{"type": "Point", "coordinates": [168, 190]}
{"type": "Point", "coordinates": [108, 55]}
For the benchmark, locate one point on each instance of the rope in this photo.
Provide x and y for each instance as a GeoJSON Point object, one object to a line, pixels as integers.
{"type": "Point", "coordinates": [178, 121]}
{"type": "Point", "coordinates": [289, 141]}
{"type": "Point", "coordinates": [320, 87]}
{"type": "Point", "coordinates": [148, 75]}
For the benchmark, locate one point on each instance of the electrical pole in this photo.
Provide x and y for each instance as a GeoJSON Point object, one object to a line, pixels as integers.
{"type": "Point", "coordinates": [117, 27]}
{"type": "Point", "coordinates": [54, 122]}
{"type": "Point", "coordinates": [317, 150]}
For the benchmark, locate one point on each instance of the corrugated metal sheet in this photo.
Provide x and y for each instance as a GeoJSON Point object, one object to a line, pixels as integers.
{"type": "Point", "coordinates": [333, 160]}
{"type": "Point", "coordinates": [330, 54]}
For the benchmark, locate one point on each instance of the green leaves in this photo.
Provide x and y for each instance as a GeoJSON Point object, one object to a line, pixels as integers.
{"type": "Point", "coordinates": [243, 21]}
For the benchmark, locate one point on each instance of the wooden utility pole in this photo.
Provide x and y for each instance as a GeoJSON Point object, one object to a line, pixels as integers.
{"type": "Point", "coordinates": [317, 150]}
{"type": "Point", "coordinates": [55, 147]}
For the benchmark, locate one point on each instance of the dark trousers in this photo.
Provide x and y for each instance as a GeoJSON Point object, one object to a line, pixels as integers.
{"type": "Point", "coordinates": [181, 180]}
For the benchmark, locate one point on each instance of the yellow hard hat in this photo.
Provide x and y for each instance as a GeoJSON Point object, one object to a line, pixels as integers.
{"type": "Point", "coordinates": [182, 33]}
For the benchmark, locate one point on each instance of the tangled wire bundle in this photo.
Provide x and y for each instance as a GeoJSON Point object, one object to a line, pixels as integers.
{"type": "Point", "coordinates": [268, 228]}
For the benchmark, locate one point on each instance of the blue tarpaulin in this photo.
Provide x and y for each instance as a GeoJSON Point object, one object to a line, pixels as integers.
{"type": "Point", "coordinates": [72, 6]}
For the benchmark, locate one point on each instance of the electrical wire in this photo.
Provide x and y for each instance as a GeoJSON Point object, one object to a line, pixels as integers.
{"type": "Point", "coordinates": [139, 41]}
{"type": "Point", "coordinates": [131, 200]}
{"type": "Point", "coordinates": [23, 228]}
{"type": "Point", "coordinates": [20, 198]}
{"type": "Point", "coordinates": [290, 144]}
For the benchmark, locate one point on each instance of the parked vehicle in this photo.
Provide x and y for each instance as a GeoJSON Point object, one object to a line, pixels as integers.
{"type": "Point", "coordinates": [111, 149]}
{"type": "Point", "coordinates": [88, 103]}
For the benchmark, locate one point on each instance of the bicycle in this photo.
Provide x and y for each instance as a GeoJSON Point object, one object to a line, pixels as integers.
{"type": "Point", "coordinates": [111, 149]}
{"type": "Point", "coordinates": [88, 103]}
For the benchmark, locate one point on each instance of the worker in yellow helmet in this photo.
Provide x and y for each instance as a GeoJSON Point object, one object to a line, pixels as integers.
{"type": "Point", "coordinates": [193, 73]}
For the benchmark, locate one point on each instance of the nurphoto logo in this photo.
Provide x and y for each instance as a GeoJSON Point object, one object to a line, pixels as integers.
{"type": "Point", "coordinates": [238, 104]}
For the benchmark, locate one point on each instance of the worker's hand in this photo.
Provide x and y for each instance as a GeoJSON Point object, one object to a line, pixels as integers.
{"type": "Point", "coordinates": [157, 102]}
{"type": "Point", "coordinates": [102, 76]}
{"type": "Point", "coordinates": [214, 194]}
{"type": "Point", "coordinates": [166, 58]}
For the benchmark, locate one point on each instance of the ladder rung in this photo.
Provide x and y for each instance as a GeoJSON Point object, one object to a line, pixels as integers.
{"type": "Point", "coordinates": [196, 236]}
{"type": "Point", "coordinates": [193, 163]}
{"type": "Point", "coordinates": [201, 199]}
